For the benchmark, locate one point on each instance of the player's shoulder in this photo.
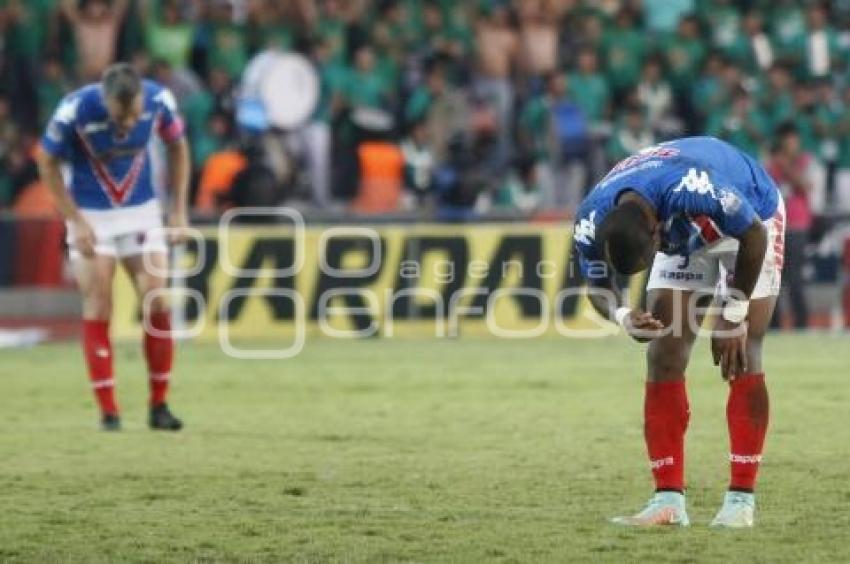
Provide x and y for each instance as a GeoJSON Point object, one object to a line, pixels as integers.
{"type": "Point", "coordinates": [158, 95]}
{"type": "Point", "coordinates": [81, 105]}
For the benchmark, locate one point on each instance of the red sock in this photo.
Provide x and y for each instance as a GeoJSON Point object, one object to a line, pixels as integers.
{"type": "Point", "coordinates": [98, 352]}
{"type": "Point", "coordinates": [159, 353]}
{"type": "Point", "coordinates": [666, 414]}
{"type": "Point", "coordinates": [747, 413]}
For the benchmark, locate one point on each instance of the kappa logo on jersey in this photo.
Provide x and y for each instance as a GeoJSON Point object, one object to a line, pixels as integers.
{"type": "Point", "coordinates": [585, 230]}
{"type": "Point", "coordinates": [697, 182]}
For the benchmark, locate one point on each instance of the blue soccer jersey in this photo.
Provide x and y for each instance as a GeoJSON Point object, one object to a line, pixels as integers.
{"type": "Point", "coordinates": [702, 189]}
{"type": "Point", "coordinates": [107, 171]}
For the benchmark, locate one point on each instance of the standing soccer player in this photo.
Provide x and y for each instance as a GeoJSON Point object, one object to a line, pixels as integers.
{"type": "Point", "coordinates": [709, 221]}
{"type": "Point", "coordinates": [102, 132]}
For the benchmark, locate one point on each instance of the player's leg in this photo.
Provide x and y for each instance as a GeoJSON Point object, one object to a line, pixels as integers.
{"type": "Point", "coordinates": [666, 411]}
{"type": "Point", "coordinates": [748, 405]}
{"type": "Point", "coordinates": [677, 289]}
{"type": "Point", "coordinates": [147, 269]}
{"type": "Point", "coordinates": [747, 416]}
{"type": "Point", "coordinates": [94, 278]}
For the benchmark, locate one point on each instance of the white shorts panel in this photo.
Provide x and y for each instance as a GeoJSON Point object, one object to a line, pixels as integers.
{"type": "Point", "coordinates": [124, 232]}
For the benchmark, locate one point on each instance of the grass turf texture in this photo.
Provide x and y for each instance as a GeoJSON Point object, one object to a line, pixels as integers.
{"type": "Point", "coordinates": [377, 451]}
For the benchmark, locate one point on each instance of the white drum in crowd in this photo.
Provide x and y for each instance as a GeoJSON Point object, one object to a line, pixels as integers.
{"type": "Point", "coordinates": [285, 85]}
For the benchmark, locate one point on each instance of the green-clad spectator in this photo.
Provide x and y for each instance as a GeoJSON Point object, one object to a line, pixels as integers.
{"type": "Point", "coordinates": [28, 24]}
{"type": "Point", "coordinates": [397, 26]}
{"type": "Point", "coordinates": [630, 136]}
{"type": "Point", "coordinates": [366, 86]}
{"type": "Point", "coordinates": [519, 189]}
{"type": "Point", "coordinates": [8, 142]}
{"type": "Point", "coordinates": [215, 135]}
{"type": "Point", "coordinates": [553, 132]}
{"type": "Point", "coordinates": [227, 43]}
{"type": "Point", "coordinates": [168, 35]}
{"type": "Point", "coordinates": [426, 94]}
{"type": "Point", "coordinates": [331, 30]}
{"type": "Point", "coordinates": [655, 96]}
{"type": "Point", "coordinates": [787, 23]}
{"type": "Point", "coordinates": [803, 116]}
{"type": "Point", "coordinates": [589, 88]}
{"type": "Point", "coordinates": [388, 54]}
{"type": "Point", "coordinates": [419, 165]}
{"type": "Point", "coordinates": [662, 16]}
{"type": "Point", "coordinates": [623, 49]}
{"type": "Point", "coordinates": [817, 52]}
{"type": "Point", "coordinates": [741, 124]}
{"type": "Point", "coordinates": [827, 115]}
{"type": "Point", "coordinates": [273, 25]}
{"type": "Point", "coordinates": [723, 19]}
{"type": "Point", "coordinates": [333, 76]}
{"type": "Point", "coordinates": [753, 49]}
{"type": "Point", "coordinates": [684, 53]}
{"type": "Point", "coordinates": [709, 91]}
{"type": "Point", "coordinates": [776, 99]}
{"type": "Point", "coordinates": [535, 119]}
{"type": "Point", "coordinates": [452, 40]}
{"type": "Point", "coordinates": [51, 89]}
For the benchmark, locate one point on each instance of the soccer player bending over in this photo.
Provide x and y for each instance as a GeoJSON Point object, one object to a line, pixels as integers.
{"type": "Point", "coordinates": [102, 132]}
{"type": "Point", "coordinates": [709, 222]}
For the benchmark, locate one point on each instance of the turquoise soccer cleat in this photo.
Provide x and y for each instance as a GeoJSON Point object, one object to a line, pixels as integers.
{"type": "Point", "coordinates": [738, 511]}
{"type": "Point", "coordinates": [665, 508]}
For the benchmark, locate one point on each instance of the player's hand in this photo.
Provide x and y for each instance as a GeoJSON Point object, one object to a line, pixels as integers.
{"type": "Point", "coordinates": [642, 327]}
{"type": "Point", "coordinates": [84, 237]}
{"type": "Point", "coordinates": [178, 225]}
{"type": "Point", "coordinates": [729, 348]}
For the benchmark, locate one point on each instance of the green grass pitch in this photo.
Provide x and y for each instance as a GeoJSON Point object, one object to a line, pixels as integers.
{"type": "Point", "coordinates": [396, 451]}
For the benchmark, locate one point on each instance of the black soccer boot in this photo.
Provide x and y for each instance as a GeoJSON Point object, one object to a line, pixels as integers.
{"type": "Point", "coordinates": [110, 422]}
{"type": "Point", "coordinates": [161, 419]}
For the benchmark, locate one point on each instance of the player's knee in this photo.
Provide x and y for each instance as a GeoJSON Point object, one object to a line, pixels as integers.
{"type": "Point", "coordinates": [150, 288]}
{"type": "Point", "coordinates": [97, 305]}
{"type": "Point", "coordinates": [756, 335]}
{"type": "Point", "coordinates": [666, 360]}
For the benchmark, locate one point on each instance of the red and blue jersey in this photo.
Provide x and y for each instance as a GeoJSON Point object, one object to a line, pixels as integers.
{"type": "Point", "coordinates": [108, 171]}
{"type": "Point", "coordinates": [702, 189]}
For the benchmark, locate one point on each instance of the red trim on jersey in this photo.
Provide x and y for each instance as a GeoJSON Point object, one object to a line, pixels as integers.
{"type": "Point", "coordinates": [118, 191]}
{"type": "Point", "coordinates": [708, 229]}
{"type": "Point", "coordinates": [779, 239]}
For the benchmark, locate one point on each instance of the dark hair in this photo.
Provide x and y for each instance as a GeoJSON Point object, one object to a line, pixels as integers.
{"type": "Point", "coordinates": [121, 82]}
{"type": "Point", "coordinates": [626, 239]}
{"type": "Point", "coordinates": [783, 131]}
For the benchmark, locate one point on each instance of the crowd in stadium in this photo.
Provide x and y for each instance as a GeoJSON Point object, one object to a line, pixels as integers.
{"type": "Point", "coordinates": [514, 103]}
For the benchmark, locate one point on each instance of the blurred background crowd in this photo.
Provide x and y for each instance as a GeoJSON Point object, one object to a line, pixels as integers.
{"type": "Point", "coordinates": [450, 106]}
{"type": "Point", "coordinates": [449, 110]}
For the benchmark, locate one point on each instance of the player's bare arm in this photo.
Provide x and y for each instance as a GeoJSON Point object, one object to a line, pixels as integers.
{"type": "Point", "coordinates": [729, 340]}
{"type": "Point", "coordinates": [50, 170]}
{"type": "Point", "coordinates": [178, 174]}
